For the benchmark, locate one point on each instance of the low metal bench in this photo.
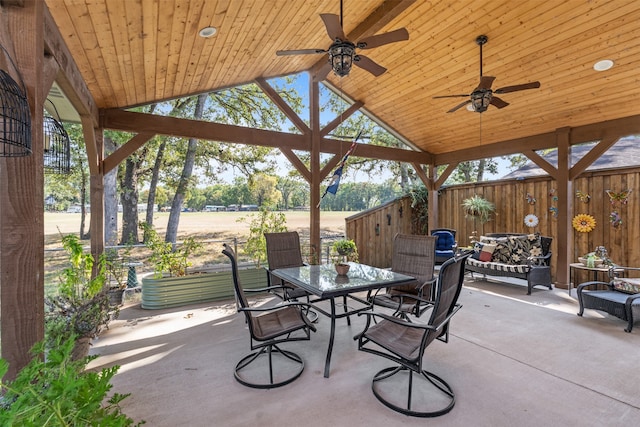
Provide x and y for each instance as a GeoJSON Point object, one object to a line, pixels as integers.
{"type": "Point", "coordinates": [611, 299]}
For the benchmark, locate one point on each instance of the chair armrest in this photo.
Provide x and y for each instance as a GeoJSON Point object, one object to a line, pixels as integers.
{"type": "Point", "coordinates": [372, 314]}
{"type": "Point", "coordinates": [587, 285]}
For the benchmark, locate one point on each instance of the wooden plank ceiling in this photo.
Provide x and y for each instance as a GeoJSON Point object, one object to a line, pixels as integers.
{"type": "Point", "coordinates": [133, 52]}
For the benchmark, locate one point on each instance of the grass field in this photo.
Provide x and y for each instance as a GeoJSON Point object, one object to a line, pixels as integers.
{"type": "Point", "coordinates": [203, 225]}
{"type": "Point", "coordinates": [212, 228]}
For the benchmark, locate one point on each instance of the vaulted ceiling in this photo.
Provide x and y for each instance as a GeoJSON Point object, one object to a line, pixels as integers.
{"type": "Point", "coordinates": [133, 52]}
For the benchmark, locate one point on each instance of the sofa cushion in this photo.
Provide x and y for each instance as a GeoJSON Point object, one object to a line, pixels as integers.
{"type": "Point", "coordinates": [483, 251]}
{"type": "Point", "coordinates": [627, 285]}
{"type": "Point", "coordinates": [499, 266]}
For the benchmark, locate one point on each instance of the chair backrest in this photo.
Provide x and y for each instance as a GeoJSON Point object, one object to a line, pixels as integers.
{"type": "Point", "coordinates": [241, 299]}
{"type": "Point", "coordinates": [450, 279]}
{"type": "Point", "coordinates": [413, 255]}
{"type": "Point", "coordinates": [283, 250]}
{"type": "Point", "coordinates": [446, 238]}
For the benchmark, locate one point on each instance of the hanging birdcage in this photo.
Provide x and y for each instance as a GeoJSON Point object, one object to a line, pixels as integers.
{"type": "Point", "coordinates": [57, 147]}
{"type": "Point", "coordinates": [15, 117]}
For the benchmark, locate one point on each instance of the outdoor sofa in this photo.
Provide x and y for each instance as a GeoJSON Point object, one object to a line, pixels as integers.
{"type": "Point", "coordinates": [521, 256]}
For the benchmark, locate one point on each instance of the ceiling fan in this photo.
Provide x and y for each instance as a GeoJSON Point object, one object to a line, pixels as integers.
{"type": "Point", "coordinates": [482, 96]}
{"type": "Point", "coordinates": [342, 52]}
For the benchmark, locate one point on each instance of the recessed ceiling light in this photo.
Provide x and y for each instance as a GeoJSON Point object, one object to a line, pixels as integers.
{"type": "Point", "coordinates": [207, 32]}
{"type": "Point", "coordinates": [603, 65]}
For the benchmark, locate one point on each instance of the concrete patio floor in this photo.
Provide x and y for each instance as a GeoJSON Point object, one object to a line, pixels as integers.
{"type": "Point", "coordinates": [512, 360]}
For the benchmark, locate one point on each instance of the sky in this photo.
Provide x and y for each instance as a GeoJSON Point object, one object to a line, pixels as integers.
{"type": "Point", "coordinates": [349, 175]}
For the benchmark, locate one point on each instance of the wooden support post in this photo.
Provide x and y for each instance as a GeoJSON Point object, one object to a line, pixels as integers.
{"type": "Point", "coordinates": [565, 208]}
{"type": "Point", "coordinates": [314, 226]}
{"type": "Point", "coordinates": [22, 198]}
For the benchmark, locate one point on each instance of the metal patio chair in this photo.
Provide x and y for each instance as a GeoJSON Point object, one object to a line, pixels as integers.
{"type": "Point", "coordinates": [268, 328]}
{"type": "Point", "coordinates": [283, 251]}
{"type": "Point", "coordinates": [413, 255]}
{"type": "Point", "coordinates": [446, 245]}
{"type": "Point", "coordinates": [405, 343]}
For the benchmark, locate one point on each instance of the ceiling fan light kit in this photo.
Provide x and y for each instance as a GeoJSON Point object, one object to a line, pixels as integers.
{"type": "Point", "coordinates": [341, 56]}
{"type": "Point", "coordinates": [483, 96]}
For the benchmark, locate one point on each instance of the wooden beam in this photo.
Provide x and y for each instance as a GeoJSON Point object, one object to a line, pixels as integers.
{"type": "Point", "coordinates": [616, 128]}
{"type": "Point", "coordinates": [542, 163]}
{"type": "Point", "coordinates": [93, 161]}
{"type": "Point", "coordinates": [593, 155]}
{"type": "Point", "coordinates": [282, 105]}
{"type": "Point", "coordinates": [428, 182]}
{"type": "Point", "coordinates": [592, 132]}
{"type": "Point", "coordinates": [186, 128]}
{"type": "Point", "coordinates": [341, 118]}
{"type": "Point", "coordinates": [518, 145]}
{"type": "Point", "coordinates": [443, 177]}
{"type": "Point", "coordinates": [124, 151]}
{"type": "Point", "coordinates": [69, 78]}
{"type": "Point", "coordinates": [297, 163]}
{"type": "Point", "coordinates": [164, 125]}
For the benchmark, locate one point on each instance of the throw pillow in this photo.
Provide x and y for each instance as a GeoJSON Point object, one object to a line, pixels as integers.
{"type": "Point", "coordinates": [627, 285]}
{"type": "Point", "coordinates": [483, 251]}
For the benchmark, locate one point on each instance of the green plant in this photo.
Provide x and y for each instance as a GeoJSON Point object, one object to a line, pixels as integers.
{"type": "Point", "coordinates": [420, 209]}
{"type": "Point", "coordinates": [81, 306]}
{"type": "Point", "coordinates": [478, 208]}
{"type": "Point", "coordinates": [165, 257]}
{"type": "Point", "coordinates": [263, 222]}
{"type": "Point", "coordinates": [58, 391]}
{"type": "Point", "coordinates": [344, 250]}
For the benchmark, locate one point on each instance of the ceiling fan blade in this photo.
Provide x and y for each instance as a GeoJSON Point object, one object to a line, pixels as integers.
{"type": "Point", "coordinates": [485, 82]}
{"type": "Point", "coordinates": [451, 96]}
{"type": "Point", "coordinates": [497, 102]}
{"type": "Point", "coordinates": [382, 39]}
{"type": "Point", "coordinates": [507, 89]}
{"type": "Point", "coordinates": [457, 107]}
{"type": "Point", "coordinates": [299, 52]}
{"type": "Point", "coordinates": [369, 65]}
{"type": "Point", "coordinates": [332, 23]}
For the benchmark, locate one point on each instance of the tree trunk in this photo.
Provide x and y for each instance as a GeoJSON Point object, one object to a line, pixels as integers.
{"type": "Point", "coordinates": [110, 199]}
{"type": "Point", "coordinates": [155, 176]}
{"type": "Point", "coordinates": [129, 201]}
{"type": "Point", "coordinates": [185, 178]}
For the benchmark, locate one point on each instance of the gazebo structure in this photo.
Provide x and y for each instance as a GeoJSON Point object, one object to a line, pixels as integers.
{"type": "Point", "coordinates": [110, 55]}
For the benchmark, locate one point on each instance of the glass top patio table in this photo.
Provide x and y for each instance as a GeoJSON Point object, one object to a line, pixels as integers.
{"type": "Point", "coordinates": [323, 282]}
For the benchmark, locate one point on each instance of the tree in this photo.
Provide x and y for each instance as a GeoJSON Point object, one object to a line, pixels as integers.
{"type": "Point", "coordinates": [263, 189]}
{"type": "Point", "coordinates": [185, 178]}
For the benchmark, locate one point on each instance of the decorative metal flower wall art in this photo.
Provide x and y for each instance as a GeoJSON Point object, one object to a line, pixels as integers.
{"type": "Point", "coordinates": [583, 223]}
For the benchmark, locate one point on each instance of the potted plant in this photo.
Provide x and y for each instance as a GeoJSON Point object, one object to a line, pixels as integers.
{"type": "Point", "coordinates": [81, 305]}
{"type": "Point", "coordinates": [345, 250]}
{"type": "Point", "coordinates": [477, 207]}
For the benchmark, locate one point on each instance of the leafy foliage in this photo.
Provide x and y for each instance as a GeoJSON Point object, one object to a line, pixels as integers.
{"type": "Point", "coordinates": [164, 256]}
{"type": "Point", "coordinates": [58, 391]}
{"type": "Point", "coordinates": [263, 222]}
{"type": "Point", "coordinates": [81, 306]}
{"type": "Point", "coordinates": [344, 250]}
{"type": "Point", "coordinates": [420, 206]}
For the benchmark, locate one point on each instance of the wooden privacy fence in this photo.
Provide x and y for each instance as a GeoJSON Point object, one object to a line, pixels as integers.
{"type": "Point", "coordinates": [514, 199]}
